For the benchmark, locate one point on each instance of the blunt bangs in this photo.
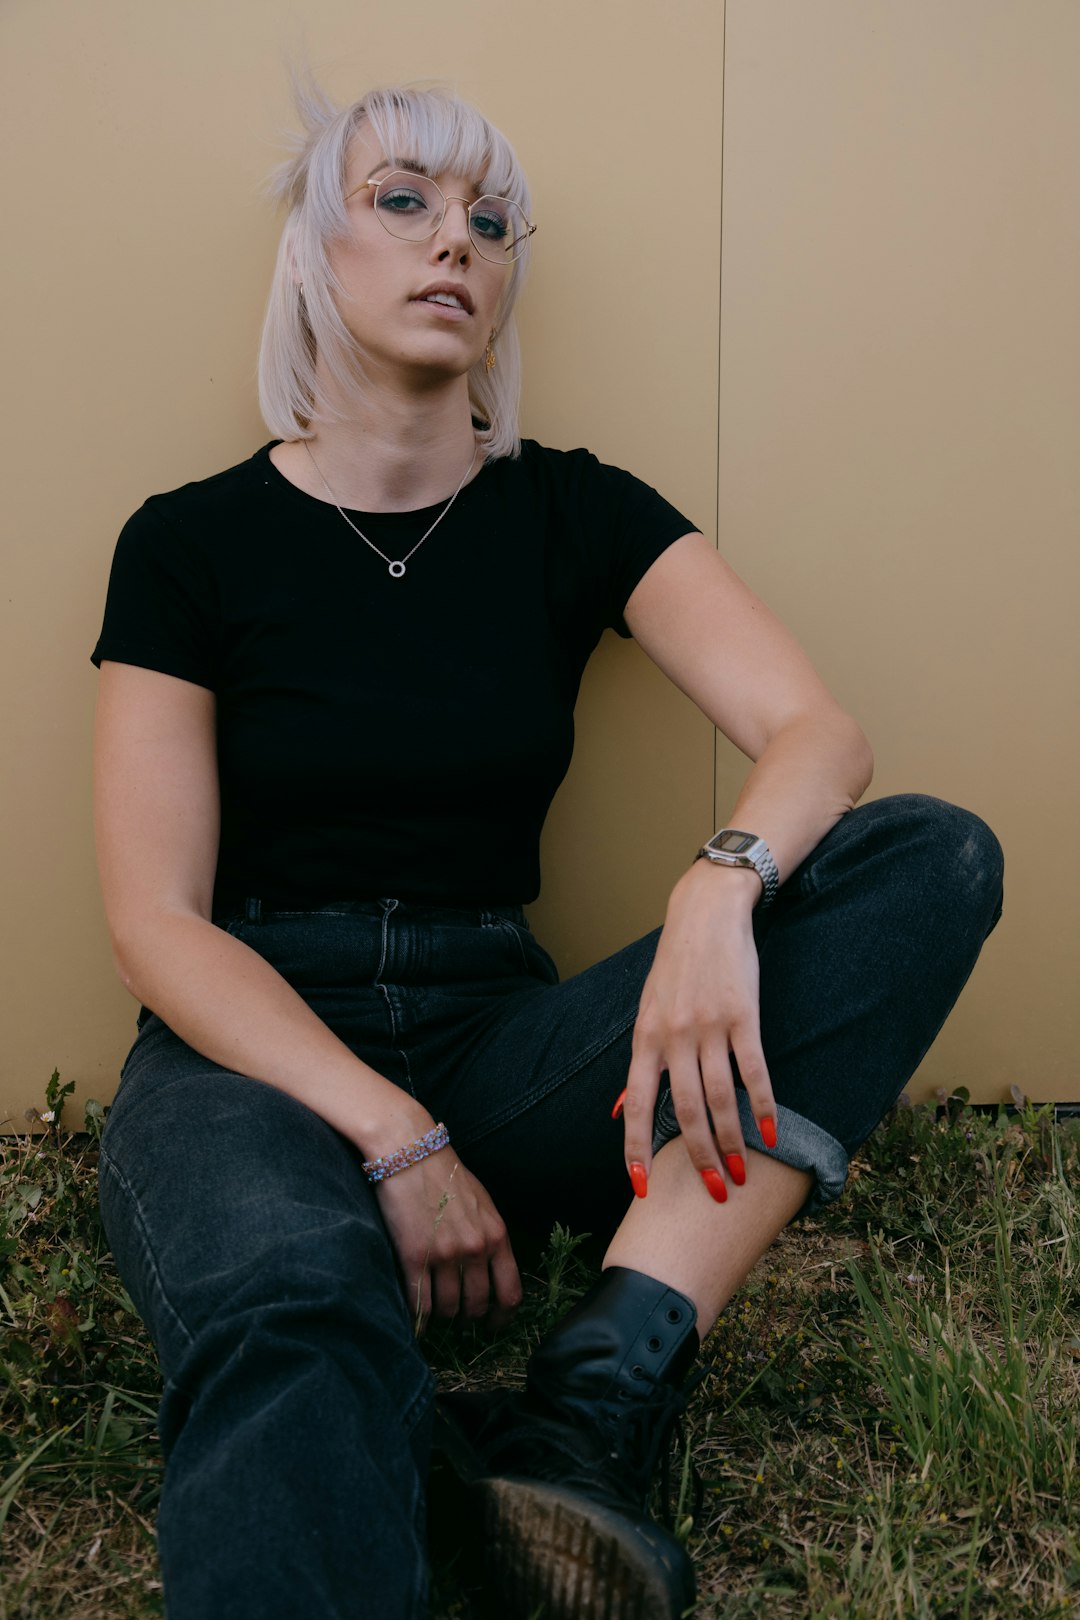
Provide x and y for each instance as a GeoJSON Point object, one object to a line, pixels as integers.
{"type": "Point", "coordinates": [443, 135]}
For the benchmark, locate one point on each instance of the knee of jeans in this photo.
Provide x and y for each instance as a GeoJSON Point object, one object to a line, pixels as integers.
{"type": "Point", "coordinates": [955, 857]}
{"type": "Point", "coordinates": [970, 861]}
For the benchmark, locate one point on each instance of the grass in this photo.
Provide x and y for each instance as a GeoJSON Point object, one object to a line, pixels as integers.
{"type": "Point", "coordinates": [887, 1426]}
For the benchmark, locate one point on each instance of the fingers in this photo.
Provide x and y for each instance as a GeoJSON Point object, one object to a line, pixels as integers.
{"type": "Point", "coordinates": [480, 1289]}
{"type": "Point", "coordinates": [461, 1278]}
{"type": "Point", "coordinates": [506, 1282]}
{"type": "Point", "coordinates": [446, 1289]}
{"type": "Point", "coordinates": [692, 1080]}
{"type": "Point", "coordinates": [698, 1062]}
{"type": "Point", "coordinates": [490, 1285]}
{"type": "Point", "coordinates": [754, 1074]}
{"type": "Point", "coordinates": [638, 1107]}
{"type": "Point", "coordinates": [714, 1140]}
{"type": "Point", "coordinates": [418, 1296]}
{"type": "Point", "coordinates": [455, 1252]}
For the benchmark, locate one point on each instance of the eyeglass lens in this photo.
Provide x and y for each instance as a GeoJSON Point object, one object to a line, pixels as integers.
{"type": "Point", "coordinates": [412, 206]}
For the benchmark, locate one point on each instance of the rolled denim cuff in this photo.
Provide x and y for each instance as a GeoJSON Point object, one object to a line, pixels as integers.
{"type": "Point", "coordinates": [799, 1142]}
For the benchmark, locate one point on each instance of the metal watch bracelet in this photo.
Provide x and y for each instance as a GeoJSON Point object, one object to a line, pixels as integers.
{"type": "Point", "coordinates": [733, 847]}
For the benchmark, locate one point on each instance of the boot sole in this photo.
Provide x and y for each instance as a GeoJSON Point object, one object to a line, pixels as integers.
{"type": "Point", "coordinates": [549, 1554]}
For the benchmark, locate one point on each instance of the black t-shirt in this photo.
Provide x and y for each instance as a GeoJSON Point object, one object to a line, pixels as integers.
{"type": "Point", "coordinates": [381, 736]}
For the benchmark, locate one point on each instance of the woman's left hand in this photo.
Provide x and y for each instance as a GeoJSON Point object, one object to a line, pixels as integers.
{"type": "Point", "coordinates": [699, 1008]}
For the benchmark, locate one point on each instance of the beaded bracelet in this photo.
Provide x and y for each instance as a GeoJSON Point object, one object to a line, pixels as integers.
{"type": "Point", "coordinates": [411, 1153]}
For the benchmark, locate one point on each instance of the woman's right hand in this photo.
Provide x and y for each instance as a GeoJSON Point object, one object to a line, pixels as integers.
{"type": "Point", "coordinates": [451, 1243]}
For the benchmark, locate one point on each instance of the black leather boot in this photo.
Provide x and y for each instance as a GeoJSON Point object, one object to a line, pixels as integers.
{"type": "Point", "coordinates": [552, 1484]}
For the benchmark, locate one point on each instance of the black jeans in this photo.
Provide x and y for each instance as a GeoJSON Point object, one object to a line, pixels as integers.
{"type": "Point", "coordinates": [296, 1412]}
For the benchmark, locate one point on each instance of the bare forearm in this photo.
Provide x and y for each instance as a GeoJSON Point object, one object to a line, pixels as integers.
{"type": "Point", "coordinates": [809, 775]}
{"type": "Point", "coordinates": [224, 1000]}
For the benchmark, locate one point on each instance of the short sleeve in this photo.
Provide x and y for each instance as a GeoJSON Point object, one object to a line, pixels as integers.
{"type": "Point", "coordinates": [643, 526]}
{"type": "Point", "coordinates": [161, 611]}
{"type": "Point", "coordinates": [625, 526]}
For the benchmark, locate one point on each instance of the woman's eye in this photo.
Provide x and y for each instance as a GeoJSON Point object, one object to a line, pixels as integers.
{"type": "Point", "coordinates": [492, 226]}
{"type": "Point", "coordinates": [401, 201]}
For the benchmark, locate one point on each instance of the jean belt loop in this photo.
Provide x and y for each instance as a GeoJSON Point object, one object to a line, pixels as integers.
{"type": "Point", "coordinates": [253, 911]}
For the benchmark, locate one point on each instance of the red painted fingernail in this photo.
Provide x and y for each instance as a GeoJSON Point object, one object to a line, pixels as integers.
{"type": "Point", "coordinates": [717, 1186]}
{"type": "Point", "coordinates": [620, 1099]}
{"type": "Point", "coordinates": [639, 1179]}
{"type": "Point", "coordinates": [767, 1127]}
{"type": "Point", "coordinates": [736, 1168]}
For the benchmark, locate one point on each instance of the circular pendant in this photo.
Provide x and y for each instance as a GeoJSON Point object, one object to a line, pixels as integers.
{"type": "Point", "coordinates": [396, 570]}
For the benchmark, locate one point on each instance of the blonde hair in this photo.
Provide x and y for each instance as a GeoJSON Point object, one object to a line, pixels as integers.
{"type": "Point", "coordinates": [445, 135]}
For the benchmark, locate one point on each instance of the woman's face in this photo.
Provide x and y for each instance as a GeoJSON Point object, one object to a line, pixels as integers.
{"type": "Point", "coordinates": [388, 281]}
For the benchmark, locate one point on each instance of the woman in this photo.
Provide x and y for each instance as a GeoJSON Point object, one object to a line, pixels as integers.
{"type": "Point", "coordinates": [336, 693]}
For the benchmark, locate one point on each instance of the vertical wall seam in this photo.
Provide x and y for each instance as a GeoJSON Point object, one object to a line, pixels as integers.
{"type": "Point", "coordinates": [719, 348]}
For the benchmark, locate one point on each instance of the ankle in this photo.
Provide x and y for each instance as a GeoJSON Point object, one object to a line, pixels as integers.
{"type": "Point", "coordinates": [630, 1333]}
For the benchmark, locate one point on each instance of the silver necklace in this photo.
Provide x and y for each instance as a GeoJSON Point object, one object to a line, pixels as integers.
{"type": "Point", "coordinates": [396, 570]}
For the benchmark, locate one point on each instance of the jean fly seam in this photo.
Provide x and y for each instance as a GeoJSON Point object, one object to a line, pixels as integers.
{"type": "Point", "coordinates": [109, 1165]}
{"type": "Point", "coordinates": [508, 931]}
{"type": "Point", "coordinates": [384, 946]}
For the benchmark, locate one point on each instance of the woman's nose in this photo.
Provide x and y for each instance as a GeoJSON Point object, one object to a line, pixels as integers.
{"type": "Point", "coordinates": [452, 239]}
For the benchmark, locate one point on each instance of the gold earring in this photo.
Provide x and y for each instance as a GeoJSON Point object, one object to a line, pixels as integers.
{"type": "Point", "coordinates": [489, 352]}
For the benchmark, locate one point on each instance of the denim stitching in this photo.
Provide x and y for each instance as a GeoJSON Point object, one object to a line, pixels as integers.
{"type": "Point", "coordinates": [416, 1409]}
{"type": "Point", "coordinates": [400, 1050]}
{"type": "Point", "coordinates": [109, 1165]}
{"type": "Point", "coordinates": [323, 911]}
{"type": "Point", "coordinates": [391, 907]}
{"type": "Point", "coordinates": [508, 931]}
{"type": "Point", "coordinates": [525, 937]}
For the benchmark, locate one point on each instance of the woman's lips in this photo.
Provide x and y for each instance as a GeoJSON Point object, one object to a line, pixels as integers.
{"type": "Point", "coordinates": [450, 312]}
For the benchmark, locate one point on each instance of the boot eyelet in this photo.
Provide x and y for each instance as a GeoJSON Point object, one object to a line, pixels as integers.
{"type": "Point", "coordinates": [654, 1343]}
{"type": "Point", "coordinates": [624, 1395]}
{"type": "Point", "coordinates": [637, 1372]}
{"type": "Point", "coordinates": [673, 1315]}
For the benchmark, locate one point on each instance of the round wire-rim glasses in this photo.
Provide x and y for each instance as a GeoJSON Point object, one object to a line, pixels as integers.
{"type": "Point", "coordinates": [490, 218]}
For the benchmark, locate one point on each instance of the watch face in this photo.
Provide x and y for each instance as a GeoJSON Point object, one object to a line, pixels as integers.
{"type": "Point", "coordinates": [733, 843]}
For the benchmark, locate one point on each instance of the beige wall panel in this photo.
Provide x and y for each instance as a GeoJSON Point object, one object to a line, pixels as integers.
{"type": "Point", "coordinates": [899, 420]}
{"type": "Point", "coordinates": [631, 371]}
{"type": "Point", "coordinates": [137, 137]}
